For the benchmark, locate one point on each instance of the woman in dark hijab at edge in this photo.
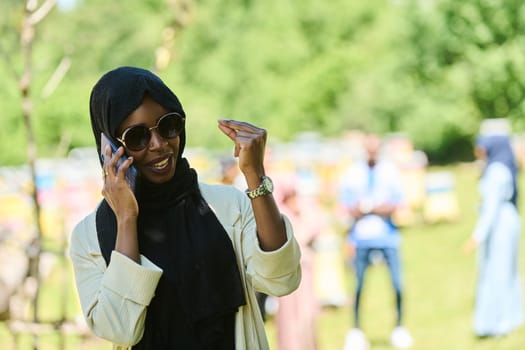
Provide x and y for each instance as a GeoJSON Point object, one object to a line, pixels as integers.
{"type": "Point", "coordinates": [174, 263]}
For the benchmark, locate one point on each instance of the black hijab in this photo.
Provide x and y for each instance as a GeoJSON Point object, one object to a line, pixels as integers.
{"type": "Point", "coordinates": [200, 289]}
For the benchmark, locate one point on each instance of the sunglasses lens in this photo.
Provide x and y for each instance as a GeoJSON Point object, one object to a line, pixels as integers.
{"type": "Point", "coordinates": [170, 126]}
{"type": "Point", "coordinates": [137, 138]}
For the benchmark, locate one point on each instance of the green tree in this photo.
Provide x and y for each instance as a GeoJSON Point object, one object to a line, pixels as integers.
{"type": "Point", "coordinates": [468, 56]}
{"type": "Point", "coordinates": [282, 64]}
{"type": "Point", "coordinates": [432, 69]}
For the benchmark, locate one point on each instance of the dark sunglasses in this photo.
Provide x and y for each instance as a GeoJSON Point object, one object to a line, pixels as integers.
{"type": "Point", "coordinates": [136, 138]}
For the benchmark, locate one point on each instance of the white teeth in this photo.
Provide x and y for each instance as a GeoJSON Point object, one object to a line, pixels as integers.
{"type": "Point", "coordinates": [161, 165]}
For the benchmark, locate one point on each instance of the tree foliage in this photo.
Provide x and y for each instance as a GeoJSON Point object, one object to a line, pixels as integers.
{"type": "Point", "coordinates": [431, 69]}
{"type": "Point", "coordinates": [470, 55]}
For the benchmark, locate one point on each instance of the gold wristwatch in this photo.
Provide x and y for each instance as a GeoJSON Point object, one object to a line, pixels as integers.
{"type": "Point", "coordinates": [266, 187]}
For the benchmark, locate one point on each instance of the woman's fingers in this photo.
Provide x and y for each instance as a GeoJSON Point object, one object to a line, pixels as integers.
{"type": "Point", "coordinates": [241, 132]}
{"type": "Point", "coordinates": [115, 159]}
{"type": "Point", "coordinates": [116, 189]}
{"type": "Point", "coordinates": [234, 129]}
{"type": "Point", "coordinates": [114, 171]}
{"type": "Point", "coordinates": [114, 166]}
{"type": "Point", "coordinates": [244, 135]}
{"type": "Point", "coordinates": [250, 143]}
{"type": "Point", "coordinates": [227, 130]}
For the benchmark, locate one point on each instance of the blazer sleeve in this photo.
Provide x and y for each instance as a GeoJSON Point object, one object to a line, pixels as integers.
{"type": "Point", "coordinates": [276, 272]}
{"type": "Point", "coordinates": [114, 299]}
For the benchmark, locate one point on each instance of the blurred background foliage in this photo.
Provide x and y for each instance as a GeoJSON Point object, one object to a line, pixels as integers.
{"type": "Point", "coordinates": [432, 69]}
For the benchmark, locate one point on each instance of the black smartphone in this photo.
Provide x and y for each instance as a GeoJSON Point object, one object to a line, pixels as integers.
{"type": "Point", "coordinates": [131, 173]}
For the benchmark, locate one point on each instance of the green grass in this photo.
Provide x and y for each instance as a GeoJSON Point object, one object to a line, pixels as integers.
{"type": "Point", "coordinates": [439, 286]}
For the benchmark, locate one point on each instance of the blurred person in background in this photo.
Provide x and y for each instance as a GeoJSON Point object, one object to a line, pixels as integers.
{"type": "Point", "coordinates": [231, 174]}
{"type": "Point", "coordinates": [498, 304]}
{"type": "Point", "coordinates": [173, 263]}
{"type": "Point", "coordinates": [370, 192]}
{"type": "Point", "coordinates": [297, 313]}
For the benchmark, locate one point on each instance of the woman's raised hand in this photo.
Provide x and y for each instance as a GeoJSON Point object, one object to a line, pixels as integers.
{"type": "Point", "coordinates": [250, 143]}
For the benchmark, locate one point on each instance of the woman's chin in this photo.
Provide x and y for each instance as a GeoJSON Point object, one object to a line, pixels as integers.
{"type": "Point", "coordinates": [160, 175]}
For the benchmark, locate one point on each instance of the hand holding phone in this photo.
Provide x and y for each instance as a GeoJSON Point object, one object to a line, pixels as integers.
{"type": "Point", "coordinates": [131, 173]}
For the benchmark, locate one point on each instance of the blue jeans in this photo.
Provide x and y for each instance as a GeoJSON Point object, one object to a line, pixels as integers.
{"type": "Point", "coordinates": [362, 260]}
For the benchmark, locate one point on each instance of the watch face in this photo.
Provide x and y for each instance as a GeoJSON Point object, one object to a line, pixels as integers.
{"type": "Point", "coordinates": [267, 183]}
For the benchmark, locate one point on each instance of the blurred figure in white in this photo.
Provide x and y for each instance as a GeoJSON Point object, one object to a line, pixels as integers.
{"type": "Point", "coordinates": [499, 304]}
{"type": "Point", "coordinates": [371, 191]}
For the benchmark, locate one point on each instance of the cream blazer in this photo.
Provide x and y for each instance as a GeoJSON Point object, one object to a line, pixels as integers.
{"type": "Point", "coordinates": [115, 298]}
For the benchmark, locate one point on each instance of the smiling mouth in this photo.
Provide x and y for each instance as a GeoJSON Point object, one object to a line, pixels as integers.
{"type": "Point", "coordinates": [161, 165]}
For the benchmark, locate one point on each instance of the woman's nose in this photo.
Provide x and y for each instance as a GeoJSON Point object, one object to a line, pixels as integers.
{"type": "Point", "coordinates": [156, 140]}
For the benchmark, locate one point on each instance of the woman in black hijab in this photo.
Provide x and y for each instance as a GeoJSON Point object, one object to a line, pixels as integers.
{"type": "Point", "coordinates": [173, 263]}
